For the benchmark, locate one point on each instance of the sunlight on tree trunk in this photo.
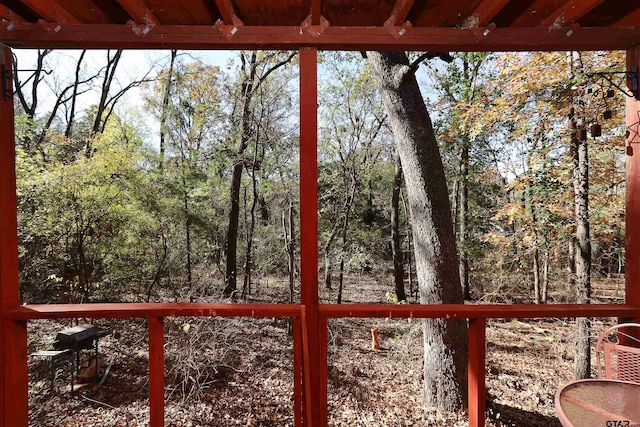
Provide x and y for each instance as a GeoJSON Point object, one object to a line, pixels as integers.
{"type": "Point", "coordinates": [580, 156]}
{"type": "Point", "coordinates": [445, 341]}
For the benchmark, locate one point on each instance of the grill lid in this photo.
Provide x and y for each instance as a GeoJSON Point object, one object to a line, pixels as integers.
{"type": "Point", "coordinates": [76, 334]}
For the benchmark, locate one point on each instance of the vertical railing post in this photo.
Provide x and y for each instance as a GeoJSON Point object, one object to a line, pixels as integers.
{"type": "Point", "coordinates": [14, 406]}
{"type": "Point", "coordinates": [156, 371]}
{"type": "Point", "coordinates": [632, 219]}
{"type": "Point", "coordinates": [324, 415]}
{"type": "Point", "coordinates": [309, 230]}
{"type": "Point", "coordinates": [477, 388]}
{"type": "Point", "coordinates": [299, 419]}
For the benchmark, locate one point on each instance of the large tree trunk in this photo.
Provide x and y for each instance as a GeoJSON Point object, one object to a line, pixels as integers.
{"type": "Point", "coordinates": [445, 341]}
{"type": "Point", "coordinates": [396, 247]}
{"type": "Point", "coordinates": [582, 367]}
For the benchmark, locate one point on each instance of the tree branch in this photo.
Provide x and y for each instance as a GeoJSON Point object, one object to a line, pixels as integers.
{"type": "Point", "coordinates": [445, 56]}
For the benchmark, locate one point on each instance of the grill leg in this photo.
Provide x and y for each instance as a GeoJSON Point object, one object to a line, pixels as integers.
{"type": "Point", "coordinates": [73, 368]}
{"type": "Point", "coordinates": [97, 379]}
{"type": "Point", "coordinates": [53, 372]}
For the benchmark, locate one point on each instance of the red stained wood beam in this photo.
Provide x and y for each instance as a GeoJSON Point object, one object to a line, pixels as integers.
{"type": "Point", "coordinates": [139, 12]}
{"type": "Point", "coordinates": [51, 11]}
{"type": "Point", "coordinates": [10, 15]}
{"type": "Point", "coordinates": [324, 373]}
{"type": "Point", "coordinates": [15, 375]}
{"type": "Point", "coordinates": [156, 371]}
{"type": "Point", "coordinates": [124, 310]}
{"type": "Point", "coordinates": [332, 38]}
{"type": "Point", "coordinates": [306, 374]}
{"type": "Point", "coordinates": [226, 11]}
{"type": "Point", "coordinates": [314, 365]}
{"type": "Point", "coordinates": [299, 418]}
{"type": "Point", "coordinates": [400, 11]}
{"type": "Point", "coordinates": [471, 311]}
{"type": "Point", "coordinates": [316, 11]}
{"type": "Point", "coordinates": [479, 311]}
{"type": "Point", "coordinates": [632, 219]}
{"type": "Point", "coordinates": [487, 10]}
{"type": "Point", "coordinates": [570, 12]}
{"type": "Point", "coordinates": [630, 20]}
{"type": "Point", "coordinates": [13, 334]}
{"type": "Point", "coordinates": [476, 371]}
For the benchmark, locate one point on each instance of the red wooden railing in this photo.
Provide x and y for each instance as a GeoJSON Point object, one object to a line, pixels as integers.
{"type": "Point", "coordinates": [309, 317]}
{"type": "Point", "coordinates": [310, 407]}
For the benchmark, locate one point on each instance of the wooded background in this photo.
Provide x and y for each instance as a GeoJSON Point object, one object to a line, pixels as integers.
{"type": "Point", "coordinates": [206, 207]}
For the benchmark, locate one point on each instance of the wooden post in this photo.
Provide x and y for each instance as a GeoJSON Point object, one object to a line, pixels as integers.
{"type": "Point", "coordinates": [299, 419]}
{"type": "Point", "coordinates": [324, 375]}
{"type": "Point", "coordinates": [632, 276]}
{"type": "Point", "coordinates": [477, 390]}
{"type": "Point", "coordinates": [156, 371]}
{"type": "Point", "coordinates": [316, 368]}
{"type": "Point", "coordinates": [13, 334]}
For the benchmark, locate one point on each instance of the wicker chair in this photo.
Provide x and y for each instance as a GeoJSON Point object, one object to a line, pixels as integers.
{"type": "Point", "coordinates": [618, 353]}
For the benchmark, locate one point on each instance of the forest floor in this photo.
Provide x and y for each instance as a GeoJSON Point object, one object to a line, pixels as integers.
{"type": "Point", "coordinates": [238, 372]}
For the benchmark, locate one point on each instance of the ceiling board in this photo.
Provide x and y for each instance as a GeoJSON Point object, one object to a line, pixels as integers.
{"type": "Point", "coordinates": [446, 13]}
{"type": "Point", "coordinates": [86, 12]}
{"type": "Point", "coordinates": [345, 24]}
{"type": "Point", "coordinates": [276, 13]}
{"type": "Point", "coordinates": [356, 12]}
{"type": "Point", "coordinates": [609, 13]}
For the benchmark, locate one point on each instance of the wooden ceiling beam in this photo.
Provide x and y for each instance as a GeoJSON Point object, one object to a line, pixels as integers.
{"type": "Point", "coordinates": [226, 11]}
{"type": "Point", "coordinates": [10, 15]}
{"type": "Point", "coordinates": [401, 11]}
{"type": "Point", "coordinates": [487, 10]}
{"type": "Point", "coordinates": [631, 20]}
{"type": "Point", "coordinates": [570, 12]}
{"type": "Point", "coordinates": [333, 38]}
{"type": "Point", "coordinates": [316, 11]}
{"type": "Point", "coordinates": [50, 11]}
{"type": "Point", "coordinates": [139, 12]}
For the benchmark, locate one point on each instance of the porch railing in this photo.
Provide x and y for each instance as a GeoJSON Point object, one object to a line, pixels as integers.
{"type": "Point", "coordinates": [307, 412]}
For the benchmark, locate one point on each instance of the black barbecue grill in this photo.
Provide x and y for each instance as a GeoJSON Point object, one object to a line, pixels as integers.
{"type": "Point", "coordinates": [78, 338]}
{"type": "Point", "coordinates": [68, 345]}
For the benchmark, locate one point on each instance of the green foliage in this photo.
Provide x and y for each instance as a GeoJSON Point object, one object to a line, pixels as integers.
{"type": "Point", "coordinates": [105, 216]}
{"type": "Point", "coordinates": [356, 171]}
{"type": "Point", "coordinates": [75, 218]}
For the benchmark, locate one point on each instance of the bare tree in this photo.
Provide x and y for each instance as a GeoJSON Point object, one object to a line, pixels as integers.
{"type": "Point", "coordinates": [254, 71]}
